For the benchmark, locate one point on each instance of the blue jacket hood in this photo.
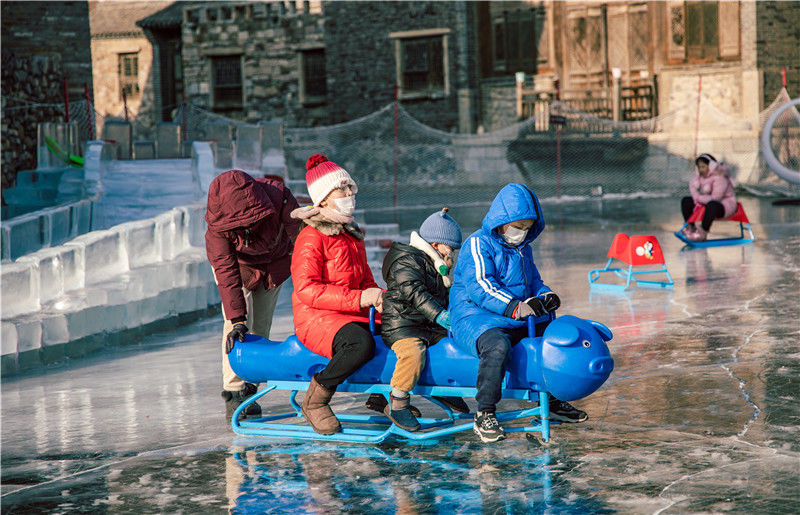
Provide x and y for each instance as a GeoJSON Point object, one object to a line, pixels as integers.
{"type": "Point", "coordinates": [514, 202]}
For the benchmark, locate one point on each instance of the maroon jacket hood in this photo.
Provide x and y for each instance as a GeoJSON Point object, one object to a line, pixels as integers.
{"type": "Point", "coordinates": [236, 200]}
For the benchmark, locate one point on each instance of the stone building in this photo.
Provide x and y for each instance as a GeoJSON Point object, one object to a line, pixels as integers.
{"type": "Point", "coordinates": [455, 63]}
{"type": "Point", "coordinates": [256, 61]}
{"type": "Point", "coordinates": [121, 64]}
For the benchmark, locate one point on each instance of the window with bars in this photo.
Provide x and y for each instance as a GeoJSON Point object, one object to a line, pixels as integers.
{"type": "Point", "coordinates": [313, 79]}
{"type": "Point", "coordinates": [515, 37]}
{"type": "Point", "coordinates": [421, 60]}
{"type": "Point", "coordinates": [128, 72]}
{"type": "Point", "coordinates": [227, 82]}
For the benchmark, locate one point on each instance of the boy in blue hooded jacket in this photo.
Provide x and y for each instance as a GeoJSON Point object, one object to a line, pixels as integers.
{"type": "Point", "coordinates": [496, 287]}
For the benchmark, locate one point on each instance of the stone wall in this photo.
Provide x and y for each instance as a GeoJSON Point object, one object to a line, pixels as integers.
{"type": "Point", "coordinates": [267, 36]}
{"type": "Point", "coordinates": [27, 81]}
{"type": "Point", "coordinates": [43, 42]}
{"type": "Point", "coordinates": [52, 28]}
{"type": "Point", "coordinates": [361, 63]}
{"type": "Point", "coordinates": [778, 46]}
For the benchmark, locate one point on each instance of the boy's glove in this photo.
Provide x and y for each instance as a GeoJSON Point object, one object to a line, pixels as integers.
{"type": "Point", "coordinates": [523, 310]}
{"type": "Point", "coordinates": [238, 332]}
{"type": "Point", "coordinates": [443, 319]}
{"type": "Point", "coordinates": [551, 301]}
{"type": "Point", "coordinates": [532, 306]}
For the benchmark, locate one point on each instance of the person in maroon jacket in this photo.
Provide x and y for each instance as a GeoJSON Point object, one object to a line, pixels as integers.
{"type": "Point", "coordinates": [249, 243]}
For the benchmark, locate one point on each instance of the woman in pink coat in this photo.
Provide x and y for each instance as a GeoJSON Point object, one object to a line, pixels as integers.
{"type": "Point", "coordinates": [333, 288]}
{"type": "Point", "coordinates": [712, 188]}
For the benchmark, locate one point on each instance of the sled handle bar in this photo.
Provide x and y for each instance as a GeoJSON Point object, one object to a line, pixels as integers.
{"type": "Point", "coordinates": [531, 323]}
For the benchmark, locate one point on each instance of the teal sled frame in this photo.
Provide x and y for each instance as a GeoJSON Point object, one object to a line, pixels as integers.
{"type": "Point", "coordinates": [629, 274]}
{"type": "Point", "coordinates": [357, 428]}
{"type": "Point", "coordinates": [719, 242]}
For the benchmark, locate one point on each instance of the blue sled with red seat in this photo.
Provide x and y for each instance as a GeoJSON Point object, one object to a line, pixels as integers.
{"type": "Point", "coordinates": [739, 216]}
{"type": "Point", "coordinates": [570, 360]}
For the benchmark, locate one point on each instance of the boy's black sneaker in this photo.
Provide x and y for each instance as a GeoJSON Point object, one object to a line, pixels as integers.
{"type": "Point", "coordinates": [565, 412]}
{"type": "Point", "coordinates": [487, 427]}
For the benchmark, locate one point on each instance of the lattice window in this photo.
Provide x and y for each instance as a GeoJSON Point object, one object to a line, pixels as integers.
{"type": "Point", "coordinates": [227, 82]}
{"type": "Point", "coordinates": [702, 42]}
{"type": "Point", "coordinates": [703, 31]}
{"type": "Point", "coordinates": [585, 49]}
{"type": "Point", "coordinates": [128, 72]}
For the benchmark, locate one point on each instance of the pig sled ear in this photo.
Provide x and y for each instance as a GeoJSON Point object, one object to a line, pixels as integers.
{"type": "Point", "coordinates": [604, 331]}
{"type": "Point", "coordinates": [561, 333]}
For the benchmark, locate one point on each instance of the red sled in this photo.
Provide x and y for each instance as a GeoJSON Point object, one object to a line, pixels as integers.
{"type": "Point", "coordinates": [634, 251]}
{"type": "Point", "coordinates": [739, 216]}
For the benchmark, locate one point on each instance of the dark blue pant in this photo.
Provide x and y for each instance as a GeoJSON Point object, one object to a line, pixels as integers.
{"type": "Point", "coordinates": [494, 350]}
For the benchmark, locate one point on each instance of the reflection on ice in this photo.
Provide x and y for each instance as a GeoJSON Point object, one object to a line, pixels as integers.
{"type": "Point", "coordinates": [701, 413]}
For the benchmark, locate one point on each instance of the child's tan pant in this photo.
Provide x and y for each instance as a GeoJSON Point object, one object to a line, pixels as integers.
{"type": "Point", "coordinates": [410, 354]}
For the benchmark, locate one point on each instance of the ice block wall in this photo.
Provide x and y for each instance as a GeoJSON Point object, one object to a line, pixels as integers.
{"type": "Point", "coordinates": [67, 300]}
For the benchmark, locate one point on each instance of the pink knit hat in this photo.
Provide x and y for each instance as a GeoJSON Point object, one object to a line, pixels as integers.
{"type": "Point", "coordinates": [324, 176]}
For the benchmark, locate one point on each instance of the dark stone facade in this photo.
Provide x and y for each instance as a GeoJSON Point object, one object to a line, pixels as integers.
{"type": "Point", "coordinates": [777, 46]}
{"type": "Point", "coordinates": [52, 29]}
{"type": "Point", "coordinates": [43, 43]}
{"type": "Point", "coordinates": [267, 36]}
{"type": "Point", "coordinates": [361, 57]}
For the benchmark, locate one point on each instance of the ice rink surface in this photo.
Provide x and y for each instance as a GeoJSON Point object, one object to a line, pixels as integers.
{"type": "Point", "coordinates": [701, 413]}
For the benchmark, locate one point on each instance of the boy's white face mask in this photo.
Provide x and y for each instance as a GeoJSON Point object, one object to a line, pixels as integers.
{"type": "Point", "coordinates": [346, 205]}
{"type": "Point", "coordinates": [514, 236]}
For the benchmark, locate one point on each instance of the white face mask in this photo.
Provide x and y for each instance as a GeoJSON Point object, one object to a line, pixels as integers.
{"type": "Point", "coordinates": [514, 236]}
{"type": "Point", "coordinates": [345, 205]}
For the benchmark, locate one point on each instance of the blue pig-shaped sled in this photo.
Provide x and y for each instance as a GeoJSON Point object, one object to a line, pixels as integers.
{"type": "Point", "coordinates": [570, 360]}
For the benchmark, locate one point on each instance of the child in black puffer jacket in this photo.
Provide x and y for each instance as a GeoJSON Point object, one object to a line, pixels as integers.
{"type": "Point", "coordinates": [415, 313]}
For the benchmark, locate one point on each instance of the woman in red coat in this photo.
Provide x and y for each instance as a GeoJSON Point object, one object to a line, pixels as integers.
{"type": "Point", "coordinates": [333, 287]}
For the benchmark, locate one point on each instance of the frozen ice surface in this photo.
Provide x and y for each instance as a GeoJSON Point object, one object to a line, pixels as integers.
{"type": "Point", "coordinates": [701, 414]}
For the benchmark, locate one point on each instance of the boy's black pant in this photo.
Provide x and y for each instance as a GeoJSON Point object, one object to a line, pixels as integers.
{"type": "Point", "coordinates": [353, 346]}
{"type": "Point", "coordinates": [494, 351]}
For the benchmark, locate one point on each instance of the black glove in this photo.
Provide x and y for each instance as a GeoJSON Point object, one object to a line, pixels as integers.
{"type": "Point", "coordinates": [238, 331]}
{"type": "Point", "coordinates": [537, 306]}
{"type": "Point", "coordinates": [551, 301]}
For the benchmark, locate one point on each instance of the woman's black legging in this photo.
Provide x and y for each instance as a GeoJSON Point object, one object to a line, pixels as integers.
{"type": "Point", "coordinates": [353, 346]}
{"type": "Point", "coordinates": [713, 210]}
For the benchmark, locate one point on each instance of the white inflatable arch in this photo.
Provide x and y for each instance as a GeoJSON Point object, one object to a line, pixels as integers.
{"type": "Point", "coordinates": [778, 168]}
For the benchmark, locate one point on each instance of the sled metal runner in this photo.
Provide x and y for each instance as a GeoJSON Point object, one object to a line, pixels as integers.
{"type": "Point", "coordinates": [359, 428]}
{"type": "Point", "coordinates": [739, 216]}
